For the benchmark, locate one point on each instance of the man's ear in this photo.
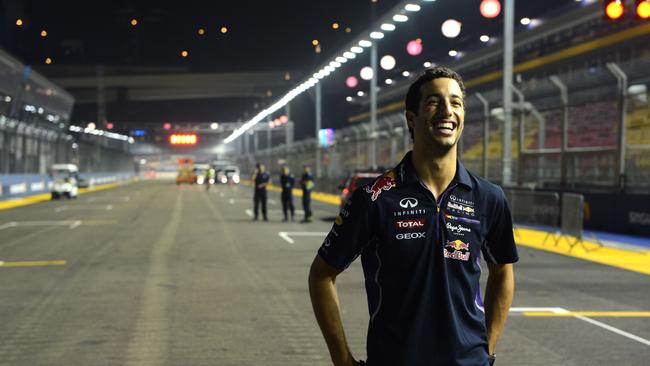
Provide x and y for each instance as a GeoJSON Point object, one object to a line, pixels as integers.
{"type": "Point", "coordinates": [410, 119]}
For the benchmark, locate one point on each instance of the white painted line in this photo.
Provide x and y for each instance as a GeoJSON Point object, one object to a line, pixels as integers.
{"type": "Point", "coordinates": [286, 235]}
{"type": "Point", "coordinates": [75, 225]}
{"type": "Point", "coordinates": [87, 207]}
{"type": "Point", "coordinates": [2, 263]}
{"type": "Point", "coordinates": [531, 309]}
{"type": "Point", "coordinates": [8, 225]}
{"type": "Point", "coordinates": [273, 202]}
{"type": "Point", "coordinates": [109, 199]}
{"type": "Point", "coordinates": [221, 194]}
{"type": "Point", "coordinates": [614, 330]}
{"type": "Point", "coordinates": [249, 212]}
{"type": "Point", "coordinates": [41, 223]}
{"type": "Point", "coordinates": [231, 201]}
{"type": "Point", "coordinates": [583, 318]}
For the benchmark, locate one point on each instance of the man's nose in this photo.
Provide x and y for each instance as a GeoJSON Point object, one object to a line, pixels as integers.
{"type": "Point", "coordinates": [445, 108]}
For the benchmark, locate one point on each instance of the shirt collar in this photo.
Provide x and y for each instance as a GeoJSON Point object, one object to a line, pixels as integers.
{"type": "Point", "coordinates": [406, 172]}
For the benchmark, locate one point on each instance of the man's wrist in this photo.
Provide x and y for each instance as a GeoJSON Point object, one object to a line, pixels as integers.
{"type": "Point", "coordinates": [492, 358]}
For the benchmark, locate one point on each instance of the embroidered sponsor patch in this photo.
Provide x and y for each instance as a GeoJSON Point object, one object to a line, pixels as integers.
{"type": "Point", "coordinates": [408, 236]}
{"type": "Point", "coordinates": [380, 185]}
{"type": "Point", "coordinates": [459, 207]}
{"type": "Point", "coordinates": [458, 229]}
{"type": "Point", "coordinates": [408, 202]}
{"type": "Point", "coordinates": [458, 250]}
{"type": "Point", "coordinates": [409, 224]}
{"type": "Point", "coordinates": [456, 254]}
{"type": "Point", "coordinates": [417, 211]}
{"type": "Point", "coordinates": [463, 219]}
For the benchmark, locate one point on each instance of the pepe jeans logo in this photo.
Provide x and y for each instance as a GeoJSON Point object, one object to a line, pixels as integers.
{"type": "Point", "coordinates": [458, 229]}
{"type": "Point", "coordinates": [408, 202]}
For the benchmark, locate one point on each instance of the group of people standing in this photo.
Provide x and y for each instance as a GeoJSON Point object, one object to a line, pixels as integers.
{"type": "Point", "coordinates": [262, 179]}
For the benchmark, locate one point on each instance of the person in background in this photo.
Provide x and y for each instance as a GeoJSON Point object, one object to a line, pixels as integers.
{"type": "Point", "coordinates": [307, 185]}
{"type": "Point", "coordinates": [287, 181]}
{"type": "Point", "coordinates": [261, 179]}
{"type": "Point", "coordinates": [209, 178]}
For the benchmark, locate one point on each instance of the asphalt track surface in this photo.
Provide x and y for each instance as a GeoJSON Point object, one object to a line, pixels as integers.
{"type": "Point", "coordinates": [157, 274]}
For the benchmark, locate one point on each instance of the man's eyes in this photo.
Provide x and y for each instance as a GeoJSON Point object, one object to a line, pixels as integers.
{"type": "Point", "coordinates": [455, 103]}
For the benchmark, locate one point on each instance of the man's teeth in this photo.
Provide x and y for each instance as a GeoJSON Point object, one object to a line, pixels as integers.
{"type": "Point", "coordinates": [446, 126]}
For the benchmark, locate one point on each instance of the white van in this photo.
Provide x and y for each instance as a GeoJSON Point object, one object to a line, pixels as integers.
{"type": "Point", "coordinates": [65, 180]}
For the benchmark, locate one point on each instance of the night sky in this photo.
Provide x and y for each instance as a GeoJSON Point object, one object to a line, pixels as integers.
{"type": "Point", "coordinates": [261, 36]}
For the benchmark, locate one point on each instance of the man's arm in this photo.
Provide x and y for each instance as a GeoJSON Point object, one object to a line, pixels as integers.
{"type": "Point", "coordinates": [325, 301]}
{"type": "Point", "coordinates": [498, 298]}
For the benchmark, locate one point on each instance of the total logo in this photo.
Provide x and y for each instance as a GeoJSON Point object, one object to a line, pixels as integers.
{"type": "Point", "coordinates": [458, 229]}
{"type": "Point", "coordinates": [408, 202]}
{"type": "Point", "coordinates": [409, 224]}
{"type": "Point", "coordinates": [408, 236]}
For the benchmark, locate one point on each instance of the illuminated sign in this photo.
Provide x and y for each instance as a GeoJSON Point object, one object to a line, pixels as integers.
{"type": "Point", "coordinates": [183, 139]}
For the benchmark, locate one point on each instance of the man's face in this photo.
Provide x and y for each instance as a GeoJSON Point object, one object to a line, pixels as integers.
{"type": "Point", "coordinates": [285, 170]}
{"type": "Point", "coordinates": [441, 114]}
{"type": "Point", "coordinates": [262, 168]}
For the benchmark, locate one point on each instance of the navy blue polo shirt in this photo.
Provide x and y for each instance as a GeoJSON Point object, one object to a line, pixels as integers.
{"type": "Point", "coordinates": [421, 262]}
{"type": "Point", "coordinates": [260, 178]}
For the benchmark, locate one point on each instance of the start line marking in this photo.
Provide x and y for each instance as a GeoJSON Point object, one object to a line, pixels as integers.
{"type": "Point", "coordinates": [71, 224]}
{"type": "Point", "coordinates": [249, 212]}
{"type": "Point", "coordinates": [286, 235]}
{"type": "Point", "coordinates": [561, 312]}
{"type": "Point", "coordinates": [88, 207]}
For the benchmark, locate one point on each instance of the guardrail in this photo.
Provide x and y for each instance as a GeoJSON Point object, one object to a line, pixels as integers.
{"type": "Point", "coordinates": [24, 185]}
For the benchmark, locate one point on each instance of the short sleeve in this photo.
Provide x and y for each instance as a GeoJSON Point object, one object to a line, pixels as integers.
{"type": "Point", "coordinates": [499, 246]}
{"type": "Point", "coordinates": [350, 233]}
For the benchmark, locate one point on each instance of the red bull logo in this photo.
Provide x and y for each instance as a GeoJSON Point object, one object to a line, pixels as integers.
{"type": "Point", "coordinates": [457, 245]}
{"type": "Point", "coordinates": [381, 184]}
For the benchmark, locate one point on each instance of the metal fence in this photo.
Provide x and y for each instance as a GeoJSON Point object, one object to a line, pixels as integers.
{"type": "Point", "coordinates": [566, 134]}
{"type": "Point", "coordinates": [27, 148]}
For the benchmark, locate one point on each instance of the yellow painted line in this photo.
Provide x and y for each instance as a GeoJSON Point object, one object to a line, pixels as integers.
{"type": "Point", "coordinates": [614, 314]}
{"type": "Point", "coordinates": [576, 50]}
{"type": "Point", "coordinates": [99, 188]}
{"type": "Point", "coordinates": [591, 251]}
{"type": "Point", "coordinates": [5, 205]}
{"type": "Point", "coordinates": [33, 263]}
{"type": "Point", "coordinates": [317, 196]}
{"type": "Point", "coordinates": [620, 258]}
{"type": "Point", "coordinates": [12, 203]}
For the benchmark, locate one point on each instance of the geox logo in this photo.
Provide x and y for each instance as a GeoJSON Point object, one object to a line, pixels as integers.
{"type": "Point", "coordinates": [407, 236]}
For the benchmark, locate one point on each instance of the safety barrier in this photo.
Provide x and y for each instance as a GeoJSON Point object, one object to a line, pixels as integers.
{"type": "Point", "coordinates": [562, 217]}
{"type": "Point", "coordinates": [25, 185]}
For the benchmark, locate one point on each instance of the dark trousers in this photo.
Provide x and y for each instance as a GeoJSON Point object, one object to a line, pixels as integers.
{"type": "Point", "coordinates": [260, 198]}
{"type": "Point", "coordinates": [287, 205]}
{"type": "Point", "coordinates": [306, 203]}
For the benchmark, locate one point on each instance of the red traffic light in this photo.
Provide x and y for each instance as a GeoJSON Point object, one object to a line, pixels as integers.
{"type": "Point", "coordinates": [490, 8]}
{"type": "Point", "coordinates": [614, 9]}
{"type": "Point", "coordinates": [183, 139]}
{"type": "Point", "coordinates": [643, 9]}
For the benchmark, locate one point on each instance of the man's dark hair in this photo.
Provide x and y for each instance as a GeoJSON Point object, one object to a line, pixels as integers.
{"type": "Point", "coordinates": [413, 95]}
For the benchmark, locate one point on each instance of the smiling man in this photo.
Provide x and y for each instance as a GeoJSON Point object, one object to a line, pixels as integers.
{"type": "Point", "coordinates": [421, 230]}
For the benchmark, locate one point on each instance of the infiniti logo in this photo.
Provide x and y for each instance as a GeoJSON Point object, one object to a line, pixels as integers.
{"type": "Point", "coordinates": [408, 202]}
